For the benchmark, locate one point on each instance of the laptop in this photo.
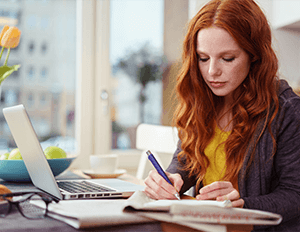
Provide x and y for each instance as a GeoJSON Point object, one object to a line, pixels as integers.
{"type": "Point", "coordinates": [40, 171]}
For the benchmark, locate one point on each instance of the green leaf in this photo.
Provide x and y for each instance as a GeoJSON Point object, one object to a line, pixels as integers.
{"type": "Point", "coordinates": [5, 71]}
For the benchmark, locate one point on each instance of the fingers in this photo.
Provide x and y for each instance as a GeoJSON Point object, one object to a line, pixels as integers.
{"type": "Point", "coordinates": [221, 191]}
{"type": "Point", "coordinates": [214, 190]}
{"type": "Point", "coordinates": [238, 203]}
{"type": "Point", "coordinates": [176, 180]}
{"type": "Point", "coordinates": [233, 195]}
{"type": "Point", "coordinates": [215, 186]}
{"type": "Point", "coordinates": [158, 188]}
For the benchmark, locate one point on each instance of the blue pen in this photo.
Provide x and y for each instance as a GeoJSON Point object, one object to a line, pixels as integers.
{"type": "Point", "coordinates": [160, 170]}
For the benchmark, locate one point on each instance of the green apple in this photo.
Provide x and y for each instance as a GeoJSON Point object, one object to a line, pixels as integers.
{"type": "Point", "coordinates": [54, 152]}
{"type": "Point", "coordinates": [4, 156]}
{"type": "Point", "coordinates": [15, 154]}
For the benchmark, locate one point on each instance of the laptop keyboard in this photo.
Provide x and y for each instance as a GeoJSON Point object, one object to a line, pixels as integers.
{"type": "Point", "coordinates": [82, 187]}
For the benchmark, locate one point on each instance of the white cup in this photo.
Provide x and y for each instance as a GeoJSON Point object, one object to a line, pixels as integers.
{"type": "Point", "coordinates": [104, 164]}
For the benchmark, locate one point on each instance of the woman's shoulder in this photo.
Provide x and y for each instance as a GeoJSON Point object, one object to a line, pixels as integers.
{"type": "Point", "coordinates": [286, 94]}
{"type": "Point", "coordinates": [289, 102]}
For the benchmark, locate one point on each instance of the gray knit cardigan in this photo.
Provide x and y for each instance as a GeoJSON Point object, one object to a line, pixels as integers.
{"type": "Point", "coordinates": [272, 183]}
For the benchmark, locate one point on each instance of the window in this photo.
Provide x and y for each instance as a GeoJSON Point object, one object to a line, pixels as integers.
{"type": "Point", "coordinates": [44, 74]}
{"type": "Point", "coordinates": [45, 81]}
{"type": "Point", "coordinates": [136, 40]}
{"type": "Point", "coordinates": [31, 21]}
{"type": "Point", "coordinates": [31, 73]}
{"type": "Point", "coordinates": [43, 100]}
{"type": "Point", "coordinates": [30, 100]}
{"type": "Point", "coordinates": [2, 94]}
{"type": "Point", "coordinates": [76, 70]}
{"type": "Point", "coordinates": [44, 23]}
{"type": "Point", "coordinates": [44, 48]}
{"type": "Point", "coordinates": [31, 47]}
{"type": "Point", "coordinates": [11, 97]}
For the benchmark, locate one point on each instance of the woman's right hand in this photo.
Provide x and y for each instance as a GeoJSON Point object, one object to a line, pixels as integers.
{"type": "Point", "coordinates": [158, 188]}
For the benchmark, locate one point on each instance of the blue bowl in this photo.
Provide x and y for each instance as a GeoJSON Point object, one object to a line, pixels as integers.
{"type": "Point", "coordinates": [15, 170]}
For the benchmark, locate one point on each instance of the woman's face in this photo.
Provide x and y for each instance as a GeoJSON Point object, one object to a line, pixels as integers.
{"type": "Point", "coordinates": [223, 64]}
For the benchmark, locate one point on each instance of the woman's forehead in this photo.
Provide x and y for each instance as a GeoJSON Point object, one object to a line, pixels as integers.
{"type": "Point", "coordinates": [216, 39]}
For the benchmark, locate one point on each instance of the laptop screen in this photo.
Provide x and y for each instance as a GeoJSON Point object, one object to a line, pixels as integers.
{"type": "Point", "coordinates": [31, 150]}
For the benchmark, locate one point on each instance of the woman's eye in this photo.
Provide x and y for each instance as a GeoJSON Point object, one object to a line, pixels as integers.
{"type": "Point", "coordinates": [203, 59]}
{"type": "Point", "coordinates": [229, 59]}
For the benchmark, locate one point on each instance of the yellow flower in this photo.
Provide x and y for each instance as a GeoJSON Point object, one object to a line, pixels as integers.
{"type": "Point", "coordinates": [11, 37]}
{"type": "Point", "coordinates": [5, 28]}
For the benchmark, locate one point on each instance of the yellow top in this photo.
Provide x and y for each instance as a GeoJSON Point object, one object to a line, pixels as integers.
{"type": "Point", "coordinates": [215, 152]}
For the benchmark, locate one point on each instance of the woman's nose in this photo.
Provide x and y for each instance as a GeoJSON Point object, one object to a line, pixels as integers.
{"type": "Point", "coordinates": [214, 69]}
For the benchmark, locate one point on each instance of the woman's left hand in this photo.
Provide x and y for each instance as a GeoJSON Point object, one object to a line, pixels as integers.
{"type": "Point", "coordinates": [221, 191]}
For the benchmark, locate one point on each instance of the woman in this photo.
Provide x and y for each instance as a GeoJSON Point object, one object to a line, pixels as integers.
{"type": "Point", "coordinates": [238, 123]}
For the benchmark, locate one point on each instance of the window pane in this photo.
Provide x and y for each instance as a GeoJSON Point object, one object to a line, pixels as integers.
{"type": "Point", "coordinates": [136, 48]}
{"type": "Point", "coordinates": [45, 82]}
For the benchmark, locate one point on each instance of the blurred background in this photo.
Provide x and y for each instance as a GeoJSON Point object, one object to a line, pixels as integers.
{"type": "Point", "coordinates": [91, 71]}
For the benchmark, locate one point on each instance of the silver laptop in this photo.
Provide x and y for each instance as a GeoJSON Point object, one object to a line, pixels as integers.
{"type": "Point", "coordinates": [40, 171]}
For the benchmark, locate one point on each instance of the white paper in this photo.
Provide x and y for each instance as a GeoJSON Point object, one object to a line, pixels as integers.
{"type": "Point", "coordinates": [186, 211]}
{"type": "Point", "coordinates": [166, 217]}
{"type": "Point", "coordinates": [93, 213]}
{"type": "Point", "coordinates": [140, 201]}
{"type": "Point", "coordinates": [224, 215]}
{"type": "Point", "coordinates": [201, 215]}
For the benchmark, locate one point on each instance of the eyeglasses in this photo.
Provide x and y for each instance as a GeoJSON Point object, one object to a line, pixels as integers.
{"type": "Point", "coordinates": [32, 205]}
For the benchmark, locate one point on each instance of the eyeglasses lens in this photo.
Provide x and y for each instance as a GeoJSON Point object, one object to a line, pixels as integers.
{"type": "Point", "coordinates": [33, 207]}
{"type": "Point", "coordinates": [4, 207]}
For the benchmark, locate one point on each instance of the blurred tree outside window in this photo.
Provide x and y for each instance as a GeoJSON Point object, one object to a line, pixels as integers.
{"type": "Point", "coordinates": [137, 61]}
{"type": "Point", "coordinates": [142, 67]}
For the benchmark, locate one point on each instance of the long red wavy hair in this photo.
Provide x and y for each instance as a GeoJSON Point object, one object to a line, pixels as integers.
{"type": "Point", "coordinates": [255, 99]}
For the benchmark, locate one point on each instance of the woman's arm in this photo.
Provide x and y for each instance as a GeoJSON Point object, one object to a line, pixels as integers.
{"type": "Point", "coordinates": [158, 188]}
{"type": "Point", "coordinates": [281, 173]}
{"type": "Point", "coordinates": [176, 167]}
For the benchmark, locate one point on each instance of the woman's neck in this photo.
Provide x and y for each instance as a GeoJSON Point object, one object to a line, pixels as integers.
{"type": "Point", "coordinates": [225, 115]}
{"type": "Point", "coordinates": [224, 121]}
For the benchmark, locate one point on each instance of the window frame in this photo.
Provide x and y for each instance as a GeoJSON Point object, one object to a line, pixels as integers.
{"type": "Point", "coordinates": [92, 126]}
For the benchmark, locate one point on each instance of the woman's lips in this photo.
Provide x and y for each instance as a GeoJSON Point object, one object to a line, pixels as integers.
{"type": "Point", "coordinates": [216, 84]}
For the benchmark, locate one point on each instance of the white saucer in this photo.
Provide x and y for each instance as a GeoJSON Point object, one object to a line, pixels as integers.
{"type": "Point", "coordinates": [93, 174]}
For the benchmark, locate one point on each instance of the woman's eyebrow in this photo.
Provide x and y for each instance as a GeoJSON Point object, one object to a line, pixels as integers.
{"type": "Point", "coordinates": [235, 51]}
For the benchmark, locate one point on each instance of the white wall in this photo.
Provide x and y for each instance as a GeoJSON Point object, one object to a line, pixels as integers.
{"type": "Point", "coordinates": [266, 6]}
{"type": "Point", "coordinates": [287, 48]}
{"type": "Point", "coordinates": [195, 6]}
{"type": "Point", "coordinates": [286, 12]}
{"type": "Point", "coordinates": [286, 29]}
